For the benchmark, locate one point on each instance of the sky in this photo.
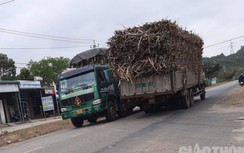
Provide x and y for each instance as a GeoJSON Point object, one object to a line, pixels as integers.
{"type": "Point", "coordinates": [87, 20]}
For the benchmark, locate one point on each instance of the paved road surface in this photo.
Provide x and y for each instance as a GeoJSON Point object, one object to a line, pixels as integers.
{"type": "Point", "coordinates": [159, 132]}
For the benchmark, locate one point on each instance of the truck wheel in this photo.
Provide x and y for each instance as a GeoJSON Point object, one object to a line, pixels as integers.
{"type": "Point", "coordinates": [191, 96]}
{"type": "Point", "coordinates": [92, 120]}
{"type": "Point", "coordinates": [149, 109]}
{"type": "Point", "coordinates": [77, 121]}
{"type": "Point", "coordinates": [111, 111]}
{"type": "Point", "coordinates": [203, 95]}
{"type": "Point", "coordinates": [123, 111]}
{"type": "Point", "coordinates": [130, 109]}
{"type": "Point", "coordinates": [185, 100]}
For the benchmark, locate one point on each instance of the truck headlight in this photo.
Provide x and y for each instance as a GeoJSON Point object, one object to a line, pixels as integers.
{"type": "Point", "coordinates": [63, 110]}
{"type": "Point", "coordinates": [95, 102]}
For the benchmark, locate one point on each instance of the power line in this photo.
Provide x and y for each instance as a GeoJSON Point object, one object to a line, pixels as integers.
{"type": "Point", "coordinates": [6, 2]}
{"type": "Point", "coordinates": [47, 38]}
{"type": "Point", "coordinates": [8, 48]}
{"type": "Point", "coordinates": [223, 41]}
{"type": "Point", "coordinates": [45, 35]}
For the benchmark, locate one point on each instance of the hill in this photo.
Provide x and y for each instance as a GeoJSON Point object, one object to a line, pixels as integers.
{"type": "Point", "coordinates": [233, 60]}
{"type": "Point", "coordinates": [231, 64]}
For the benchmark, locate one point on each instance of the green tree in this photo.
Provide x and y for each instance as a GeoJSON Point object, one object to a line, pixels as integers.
{"type": "Point", "coordinates": [48, 68]}
{"type": "Point", "coordinates": [25, 74]}
{"type": "Point", "coordinates": [7, 68]}
{"type": "Point", "coordinates": [211, 69]}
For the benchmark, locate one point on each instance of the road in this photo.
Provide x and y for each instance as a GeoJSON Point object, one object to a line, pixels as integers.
{"type": "Point", "coordinates": [164, 131]}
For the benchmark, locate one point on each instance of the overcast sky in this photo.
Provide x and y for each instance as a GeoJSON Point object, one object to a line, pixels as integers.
{"type": "Point", "coordinates": [214, 20]}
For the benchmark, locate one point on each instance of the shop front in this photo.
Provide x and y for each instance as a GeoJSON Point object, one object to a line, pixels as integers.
{"type": "Point", "coordinates": [22, 100]}
{"type": "Point", "coordinates": [9, 101]}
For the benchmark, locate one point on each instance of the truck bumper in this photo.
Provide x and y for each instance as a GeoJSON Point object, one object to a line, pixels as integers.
{"type": "Point", "coordinates": [83, 112]}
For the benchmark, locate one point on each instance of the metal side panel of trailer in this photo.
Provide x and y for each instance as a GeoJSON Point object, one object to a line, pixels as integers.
{"type": "Point", "coordinates": [159, 84]}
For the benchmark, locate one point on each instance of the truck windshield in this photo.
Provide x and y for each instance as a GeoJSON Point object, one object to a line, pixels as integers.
{"type": "Point", "coordinates": [83, 80]}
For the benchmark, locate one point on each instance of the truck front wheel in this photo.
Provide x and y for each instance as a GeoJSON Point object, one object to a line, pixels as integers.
{"type": "Point", "coordinates": [92, 120]}
{"type": "Point", "coordinates": [111, 111]}
{"type": "Point", "coordinates": [77, 121]}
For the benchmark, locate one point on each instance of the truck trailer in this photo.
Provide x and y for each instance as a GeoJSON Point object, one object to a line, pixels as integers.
{"type": "Point", "coordinates": [157, 64]}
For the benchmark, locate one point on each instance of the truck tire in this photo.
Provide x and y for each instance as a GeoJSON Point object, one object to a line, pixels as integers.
{"type": "Point", "coordinates": [149, 109]}
{"type": "Point", "coordinates": [203, 95]}
{"type": "Point", "coordinates": [111, 111]}
{"type": "Point", "coordinates": [123, 110]}
{"type": "Point", "coordinates": [92, 120]}
{"type": "Point", "coordinates": [185, 100]}
{"type": "Point", "coordinates": [130, 109]}
{"type": "Point", "coordinates": [77, 121]}
{"type": "Point", "coordinates": [191, 96]}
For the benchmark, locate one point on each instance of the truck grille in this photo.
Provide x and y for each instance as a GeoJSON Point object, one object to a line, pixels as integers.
{"type": "Point", "coordinates": [83, 98]}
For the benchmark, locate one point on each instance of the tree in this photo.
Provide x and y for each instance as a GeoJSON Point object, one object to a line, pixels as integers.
{"type": "Point", "coordinates": [7, 68]}
{"type": "Point", "coordinates": [211, 69]}
{"type": "Point", "coordinates": [48, 68]}
{"type": "Point", "coordinates": [25, 74]}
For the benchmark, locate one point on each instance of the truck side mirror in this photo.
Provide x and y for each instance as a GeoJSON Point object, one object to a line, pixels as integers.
{"type": "Point", "coordinates": [57, 86]}
{"type": "Point", "coordinates": [101, 76]}
{"type": "Point", "coordinates": [108, 75]}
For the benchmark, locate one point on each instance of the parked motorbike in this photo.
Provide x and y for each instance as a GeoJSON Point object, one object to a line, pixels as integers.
{"type": "Point", "coordinates": [241, 83]}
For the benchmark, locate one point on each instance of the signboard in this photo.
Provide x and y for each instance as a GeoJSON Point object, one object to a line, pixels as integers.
{"type": "Point", "coordinates": [47, 103]}
{"type": "Point", "coordinates": [29, 84]}
{"type": "Point", "coordinates": [9, 88]}
{"type": "Point", "coordinates": [48, 91]}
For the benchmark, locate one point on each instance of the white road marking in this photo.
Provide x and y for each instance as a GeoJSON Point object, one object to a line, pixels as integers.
{"type": "Point", "coordinates": [76, 135]}
{"type": "Point", "coordinates": [33, 150]}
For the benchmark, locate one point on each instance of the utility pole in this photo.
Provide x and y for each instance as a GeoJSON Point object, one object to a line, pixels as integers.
{"type": "Point", "coordinates": [94, 45]}
{"type": "Point", "coordinates": [231, 48]}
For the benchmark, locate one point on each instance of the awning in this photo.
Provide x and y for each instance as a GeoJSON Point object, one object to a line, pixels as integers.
{"type": "Point", "coordinates": [4, 88]}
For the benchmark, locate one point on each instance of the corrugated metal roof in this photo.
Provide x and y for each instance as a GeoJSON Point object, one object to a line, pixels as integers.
{"type": "Point", "coordinates": [8, 82]}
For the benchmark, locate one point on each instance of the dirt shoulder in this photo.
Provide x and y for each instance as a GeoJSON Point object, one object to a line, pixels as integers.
{"type": "Point", "coordinates": [232, 102]}
{"type": "Point", "coordinates": [235, 97]}
{"type": "Point", "coordinates": [24, 134]}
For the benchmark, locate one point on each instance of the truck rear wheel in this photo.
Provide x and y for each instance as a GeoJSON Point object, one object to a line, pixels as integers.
{"type": "Point", "coordinates": [185, 100]}
{"type": "Point", "coordinates": [149, 109]}
{"type": "Point", "coordinates": [191, 96]}
{"type": "Point", "coordinates": [203, 95]}
{"type": "Point", "coordinates": [77, 121]}
{"type": "Point", "coordinates": [111, 111]}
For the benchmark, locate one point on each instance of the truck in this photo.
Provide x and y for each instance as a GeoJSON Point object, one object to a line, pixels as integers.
{"type": "Point", "coordinates": [112, 82]}
{"type": "Point", "coordinates": [88, 91]}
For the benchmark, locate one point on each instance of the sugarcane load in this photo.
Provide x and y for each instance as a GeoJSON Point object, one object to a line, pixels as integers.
{"type": "Point", "coordinates": [153, 49]}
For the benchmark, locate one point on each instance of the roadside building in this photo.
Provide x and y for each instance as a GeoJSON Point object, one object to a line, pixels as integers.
{"type": "Point", "coordinates": [9, 101]}
{"type": "Point", "coordinates": [22, 100]}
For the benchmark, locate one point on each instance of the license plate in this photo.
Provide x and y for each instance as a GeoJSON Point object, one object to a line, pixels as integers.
{"type": "Point", "coordinates": [79, 111]}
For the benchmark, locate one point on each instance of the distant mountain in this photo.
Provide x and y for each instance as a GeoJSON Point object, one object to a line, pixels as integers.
{"type": "Point", "coordinates": [230, 66]}
{"type": "Point", "coordinates": [230, 62]}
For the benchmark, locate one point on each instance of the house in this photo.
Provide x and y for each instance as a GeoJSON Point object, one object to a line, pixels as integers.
{"type": "Point", "coordinates": [22, 100]}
